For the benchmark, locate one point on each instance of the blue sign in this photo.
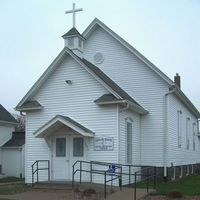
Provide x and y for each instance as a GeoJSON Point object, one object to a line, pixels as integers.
{"type": "Point", "coordinates": [111, 170]}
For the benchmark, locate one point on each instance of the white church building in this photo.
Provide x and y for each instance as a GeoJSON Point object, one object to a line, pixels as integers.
{"type": "Point", "coordinates": [101, 100]}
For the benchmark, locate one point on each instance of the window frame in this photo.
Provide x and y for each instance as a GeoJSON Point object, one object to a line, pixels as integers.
{"type": "Point", "coordinates": [194, 136]}
{"type": "Point", "coordinates": [80, 43]}
{"type": "Point", "coordinates": [74, 151]}
{"type": "Point", "coordinates": [187, 133]}
{"type": "Point", "coordinates": [179, 126]}
{"type": "Point", "coordinates": [129, 158]}
{"type": "Point", "coordinates": [70, 42]}
{"type": "Point", "coordinates": [63, 155]}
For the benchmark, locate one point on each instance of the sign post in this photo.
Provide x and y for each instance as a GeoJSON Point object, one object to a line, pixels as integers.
{"type": "Point", "coordinates": [111, 172]}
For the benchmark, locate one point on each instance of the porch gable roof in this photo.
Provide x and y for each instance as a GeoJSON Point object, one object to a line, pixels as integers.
{"type": "Point", "coordinates": [67, 121]}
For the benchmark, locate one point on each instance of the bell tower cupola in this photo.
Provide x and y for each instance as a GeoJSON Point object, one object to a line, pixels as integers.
{"type": "Point", "coordinates": [73, 39]}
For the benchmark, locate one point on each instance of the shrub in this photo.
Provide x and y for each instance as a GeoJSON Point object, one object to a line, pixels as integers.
{"type": "Point", "coordinates": [76, 190]}
{"type": "Point", "coordinates": [174, 194]}
{"type": "Point", "coordinates": [89, 191]}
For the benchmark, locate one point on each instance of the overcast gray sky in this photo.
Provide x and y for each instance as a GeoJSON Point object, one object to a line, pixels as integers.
{"type": "Point", "coordinates": [165, 32]}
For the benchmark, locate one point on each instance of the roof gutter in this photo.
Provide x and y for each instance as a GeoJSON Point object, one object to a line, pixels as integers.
{"type": "Point", "coordinates": [13, 147]}
{"type": "Point", "coordinates": [28, 109]}
{"type": "Point", "coordinates": [11, 123]}
{"type": "Point", "coordinates": [137, 108]}
{"type": "Point", "coordinates": [111, 102]}
{"type": "Point", "coordinates": [129, 105]}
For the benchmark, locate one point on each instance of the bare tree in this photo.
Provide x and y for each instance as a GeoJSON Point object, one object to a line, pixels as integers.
{"type": "Point", "coordinates": [21, 122]}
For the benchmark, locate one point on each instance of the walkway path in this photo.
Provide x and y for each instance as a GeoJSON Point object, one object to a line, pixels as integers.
{"type": "Point", "coordinates": [68, 194]}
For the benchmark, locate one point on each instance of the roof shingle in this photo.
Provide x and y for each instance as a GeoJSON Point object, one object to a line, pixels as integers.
{"type": "Point", "coordinates": [72, 32]}
{"type": "Point", "coordinates": [6, 116]}
{"type": "Point", "coordinates": [109, 82]}
{"type": "Point", "coordinates": [17, 140]}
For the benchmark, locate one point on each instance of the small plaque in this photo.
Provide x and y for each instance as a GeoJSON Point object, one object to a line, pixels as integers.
{"type": "Point", "coordinates": [103, 144]}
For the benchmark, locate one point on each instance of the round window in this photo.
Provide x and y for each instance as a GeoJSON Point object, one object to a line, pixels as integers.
{"type": "Point", "coordinates": [98, 58]}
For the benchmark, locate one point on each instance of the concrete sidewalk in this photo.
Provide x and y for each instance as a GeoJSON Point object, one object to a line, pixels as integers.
{"type": "Point", "coordinates": [65, 192]}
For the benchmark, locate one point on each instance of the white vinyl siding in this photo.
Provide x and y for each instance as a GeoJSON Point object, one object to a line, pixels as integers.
{"type": "Point", "coordinates": [139, 81]}
{"type": "Point", "coordinates": [77, 102]}
{"type": "Point", "coordinates": [13, 162]}
{"type": "Point", "coordinates": [181, 156]}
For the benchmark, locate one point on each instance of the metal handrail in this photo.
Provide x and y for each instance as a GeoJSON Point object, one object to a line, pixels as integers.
{"type": "Point", "coordinates": [147, 178]}
{"type": "Point", "coordinates": [39, 169]}
{"type": "Point", "coordinates": [91, 171]}
{"type": "Point", "coordinates": [118, 175]}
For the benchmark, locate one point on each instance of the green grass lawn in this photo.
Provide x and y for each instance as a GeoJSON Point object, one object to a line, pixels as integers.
{"type": "Point", "coordinates": [10, 179]}
{"type": "Point", "coordinates": [12, 188]}
{"type": "Point", "coordinates": [188, 186]}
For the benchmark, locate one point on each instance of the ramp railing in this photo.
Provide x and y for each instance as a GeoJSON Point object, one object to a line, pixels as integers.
{"type": "Point", "coordinates": [40, 165]}
{"type": "Point", "coordinates": [120, 171]}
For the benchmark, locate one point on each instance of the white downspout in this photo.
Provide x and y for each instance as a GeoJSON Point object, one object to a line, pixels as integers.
{"type": "Point", "coordinates": [166, 117]}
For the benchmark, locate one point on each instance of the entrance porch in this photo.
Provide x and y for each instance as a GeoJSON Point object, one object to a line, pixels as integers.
{"type": "Point", "coordinates": [67, 141]}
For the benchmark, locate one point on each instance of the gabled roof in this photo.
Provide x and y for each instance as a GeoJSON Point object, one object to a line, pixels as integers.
{"type": "Point", "coordinates": [108, 81]}
{"type": "Point", "coordinates": [110, 99]}
{"type": "Point", "coordinates": [96, 22]}
{"type": "Point", "coordinates": [17, 140]}
{"type": "Point", "coordinates": [59, 120]}
{"type": "Point", "coordinates": [6, 117]}
{"type": "Point", "coordinates": [92, 69]}
{"type": "Point", "coordinates": [183, 98]}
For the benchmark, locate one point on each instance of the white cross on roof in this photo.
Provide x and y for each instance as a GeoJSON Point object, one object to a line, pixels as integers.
{"type": "Point", "coordinates": [74, 13]}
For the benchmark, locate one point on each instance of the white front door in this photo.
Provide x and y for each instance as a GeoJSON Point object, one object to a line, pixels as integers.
{"type": "Point", "coordinates": [61, 167]}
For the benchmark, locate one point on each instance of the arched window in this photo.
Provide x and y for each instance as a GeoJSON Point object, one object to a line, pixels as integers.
{"type": "Point", "coordinates": [194, 136]}
{"type": "Point", "coordinates": [179, 128]}
{"type": "Point", "coordinates": [129, 139]}
{"type": "Point", "coordinates": [187, 133]}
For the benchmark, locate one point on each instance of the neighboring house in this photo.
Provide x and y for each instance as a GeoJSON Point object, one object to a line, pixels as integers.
{"type": "Point", "coordinates": [102, 100]}
{"type": "Point", "coordinates": [13, 155]}
{"type": "Point", "coordinates": [11, 146]}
